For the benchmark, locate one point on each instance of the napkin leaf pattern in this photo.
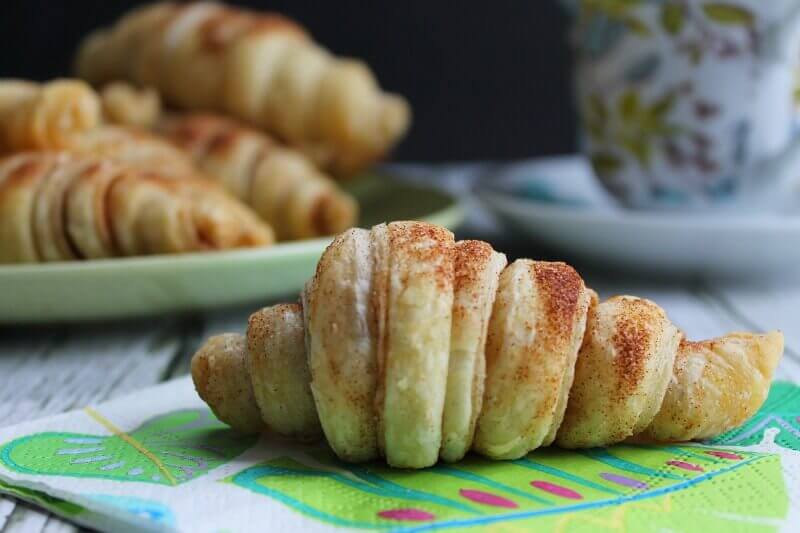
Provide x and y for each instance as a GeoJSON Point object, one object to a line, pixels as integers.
{"type": "Point", "coordinates": [546, 485]}
{"type": "Point", "coordinates": [692, 486]}
{"type": "Point", "coordinates": [741, 481]}
{"type": "Point", "coordinates": [169, 450]}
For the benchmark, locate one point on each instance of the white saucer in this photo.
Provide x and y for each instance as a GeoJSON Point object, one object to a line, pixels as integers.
{"type": "Point", "coordinates": [558, 202]}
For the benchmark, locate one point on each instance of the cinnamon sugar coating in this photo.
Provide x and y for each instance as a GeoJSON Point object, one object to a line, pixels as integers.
{"type": "Point", "coordinates": [420, 348]}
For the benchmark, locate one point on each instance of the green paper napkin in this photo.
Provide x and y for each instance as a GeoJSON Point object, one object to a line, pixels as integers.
{"type": "Point", "coordinates": [159, 460]}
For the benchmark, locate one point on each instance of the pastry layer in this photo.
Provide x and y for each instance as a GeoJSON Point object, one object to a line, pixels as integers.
{"type": "Point", "coordinates": [414, 348]}
{"type": "Point", "coordinates": [622, 373]}
{"type": "Point", "coordinates": [277, 364]}
{"type": "Point", "coordinates": [341, 345]}
{"type": "Point", "coordinates": [535, 333]}
{"type": "Point", "coordinates": [477, 274]}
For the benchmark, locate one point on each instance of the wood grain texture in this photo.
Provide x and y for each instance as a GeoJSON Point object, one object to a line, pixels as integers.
{"type": "Point", "coordinates": [46, 371]}
{"type": "Point", "coordinates": [6, 508]}
{"type": "Point", "coordinates": [25, 518]}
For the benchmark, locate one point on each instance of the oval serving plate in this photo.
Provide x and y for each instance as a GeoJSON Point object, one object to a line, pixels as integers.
{"type": "Point", "coordinates": [148, 285]}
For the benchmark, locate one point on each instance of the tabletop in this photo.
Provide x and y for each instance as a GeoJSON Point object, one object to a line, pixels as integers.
{"type": "Point", "coordinates": [49, 370]}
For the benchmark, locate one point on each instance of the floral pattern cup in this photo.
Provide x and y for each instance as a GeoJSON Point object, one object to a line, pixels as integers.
{"type": "Point", "coordinates": [689, 103]}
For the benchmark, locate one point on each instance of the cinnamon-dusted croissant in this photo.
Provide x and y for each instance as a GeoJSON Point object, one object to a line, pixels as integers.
{"type": "Point", "coordinates": [259, 67]}
{"type": "Point", "coordinates": [414, 347]}
{"type": "Point", "coordinates": [36, 116]}
{"type": "Point", "coordinates": [59, 207]}
{"type": "Point", "coordinates": [279, 183]}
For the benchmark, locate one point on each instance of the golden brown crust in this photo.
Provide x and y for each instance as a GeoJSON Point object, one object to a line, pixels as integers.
{"type": "Point", "coordinates": [341, 346]}
{"type": "Point", "coordinates": [622, 373]}
{"type": "Point", "coordinates": [283, 187]}
{"type": "Point", "coordinates": [45, 116]}
{"type": "Point", "coordinates": [413, 354]}
{"type": "Point", "coordinates": [534, 336]}
{"type": "Point", "coordinates": [477, 274]}
{"type": "Point", "coordinates": [134, 148]}
{"type": "Point", "coordinates": [59, 206]}
{"type": "Point", "coordinates": [52, 238]}
{"type": "Point", "coordinates": [126, 105]}
{"type": "Point", "coordinates": [229, 25]}
{"type": "Point", "coordinates": [21, 176]}
{"type": "Point", "coordinates": [147, 219]}
{"type": "Point", "coordinates": [259, 67]}
{"type": "Point", "coordinates": [716, 386]}
{"type": "Point", "coordinates": [88, 220]}
{"type": "Point", "coordinates": [219, 372]}
{"type": "Point", "coordinates": [221, 221]}
{"type": "Point", "coordinates": [276, 361]}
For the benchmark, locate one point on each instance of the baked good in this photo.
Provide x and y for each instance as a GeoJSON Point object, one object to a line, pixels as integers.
{"type": "Point", "coordinates": [279, 183]}
{"type": "Point", "coordinates": [390, 309]}
{"type": "Point", "coordinates": [477, 269]}
{"type": "Point", "coordinates": [622, 375]}
{"type": "Point", "coordinates": [260, 67]}
{"type": "Point", "coordinates": [535, 332]}
{"type": "Point", "coordinates": [36, 116]}
{"type": "Point", "coordinates": [60, 206]}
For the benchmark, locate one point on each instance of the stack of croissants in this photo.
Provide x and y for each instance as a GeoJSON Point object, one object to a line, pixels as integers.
{"type": "Point", "coordinates": [262, 125]}
{"type": "Point", "coordinates": [410, 346]}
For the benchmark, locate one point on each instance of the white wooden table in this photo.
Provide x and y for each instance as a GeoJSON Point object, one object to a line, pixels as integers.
{"type": "Point", "coordinates": [48, 370]}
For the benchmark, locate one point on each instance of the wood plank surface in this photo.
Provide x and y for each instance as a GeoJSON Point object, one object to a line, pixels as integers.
{"type": "Point", "coordinates": [46, 371]}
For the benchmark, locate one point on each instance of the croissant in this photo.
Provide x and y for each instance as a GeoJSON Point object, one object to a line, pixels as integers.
{"type": "Point", "coordinates": [280, 184]}
{"type": "Point", "coordinates": [259, 67]}
{"type": "Point", "coordinates": [414, 347]}
{"type": "Point", "coordinates": [59, 206]}
{"type": "Point", "coordinates": [37, 116]}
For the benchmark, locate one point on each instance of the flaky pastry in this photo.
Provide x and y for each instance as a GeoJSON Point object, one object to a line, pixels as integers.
{"type": "Point", "coordinates": [397, 325]}
{"type": "Point", "coordinates": [260, 67]}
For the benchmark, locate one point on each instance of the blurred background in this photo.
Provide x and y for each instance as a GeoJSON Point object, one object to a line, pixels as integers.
{"type": "Point", "coordinates": [483, 83]}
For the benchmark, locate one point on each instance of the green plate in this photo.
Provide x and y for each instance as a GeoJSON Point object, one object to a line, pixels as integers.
{"type": "Point", "coordinates": [139, 286]}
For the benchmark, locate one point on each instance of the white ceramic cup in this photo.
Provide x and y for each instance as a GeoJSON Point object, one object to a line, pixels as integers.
{"type": "Point", "coordinates": [688, 104]}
